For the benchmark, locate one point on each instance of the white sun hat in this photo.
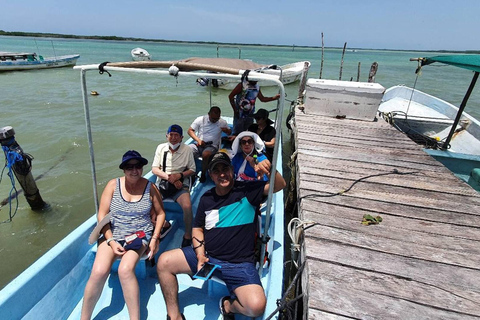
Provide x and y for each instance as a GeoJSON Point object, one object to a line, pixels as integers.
{"type": "Point", "coordinates": [95, 234]}
{"type": "Point", "coordinates": [259, 144]}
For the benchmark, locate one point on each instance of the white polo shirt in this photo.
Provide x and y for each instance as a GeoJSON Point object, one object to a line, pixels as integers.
{"type": "Point", "coordinates": [209, 131]}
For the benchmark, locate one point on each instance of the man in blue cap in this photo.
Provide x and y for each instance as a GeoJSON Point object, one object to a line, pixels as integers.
{"type": "Point", "coordinates": [173, 165]}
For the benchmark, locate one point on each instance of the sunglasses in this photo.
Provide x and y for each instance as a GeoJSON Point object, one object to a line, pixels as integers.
{"type": "Point", "coordinates": [133, 166]}
{"type": "Point", "coordinates": [244, 142]}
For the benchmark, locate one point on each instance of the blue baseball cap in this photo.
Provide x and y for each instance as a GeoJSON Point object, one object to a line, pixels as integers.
{"type": "Point", "coordinates": [175, 128]}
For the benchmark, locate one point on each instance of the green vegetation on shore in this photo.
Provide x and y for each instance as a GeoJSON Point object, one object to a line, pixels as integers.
{"type": "Point", "coordinates": [115, 38]}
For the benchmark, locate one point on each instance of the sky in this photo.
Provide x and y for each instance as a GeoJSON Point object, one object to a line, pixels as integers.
{"type": "Point", "coordinates": [378, 24]}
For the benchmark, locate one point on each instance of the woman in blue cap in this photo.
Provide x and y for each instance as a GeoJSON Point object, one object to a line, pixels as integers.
{"type": "Point", "coordinates": [133, 203]}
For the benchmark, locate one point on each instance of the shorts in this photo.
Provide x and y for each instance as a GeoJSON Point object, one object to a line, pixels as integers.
{"type": "Point", "coordinates": [178, 194]}
{"type": "Point", "coordinates": [197, 151]}
{"type": "Point", "coordinates": [234, 274]}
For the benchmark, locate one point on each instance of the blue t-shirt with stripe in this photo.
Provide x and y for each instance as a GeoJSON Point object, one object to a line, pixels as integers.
{"type": "Point", "coordinates": [229, 221]}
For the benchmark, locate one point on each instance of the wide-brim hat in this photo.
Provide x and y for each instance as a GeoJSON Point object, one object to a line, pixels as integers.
{"type": "Point", "coordinates": [259, 144]}
{"type": "Point", "coordinates": [132, 155]}
{"type": "Point", "coordinates": [219, 157]}
{"type": "Point", "coordinates": [95, 234]}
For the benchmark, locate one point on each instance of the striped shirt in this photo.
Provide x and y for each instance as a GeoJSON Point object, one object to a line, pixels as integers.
{"type": "Point", "coordinates": [129, 217]}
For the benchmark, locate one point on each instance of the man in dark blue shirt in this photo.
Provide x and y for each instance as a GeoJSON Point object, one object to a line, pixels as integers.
{"type": "Point", "coordinates": [223, 234]}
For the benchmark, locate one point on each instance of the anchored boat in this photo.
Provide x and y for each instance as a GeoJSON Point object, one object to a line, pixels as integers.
{"type": "Point", "coordinates": [53, 286]}
{"type": "Point", "coordinates": [449, 134]}
{"type": "Point", "coordinates": [11, 61]}
{"type": "Point", "coordinates": [139, 54]}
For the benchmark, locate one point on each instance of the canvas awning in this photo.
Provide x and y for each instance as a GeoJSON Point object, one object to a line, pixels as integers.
{"type": "Point", "coordinates": [225, 65]}
{"type": "Point", "coordinates": [465, 61]}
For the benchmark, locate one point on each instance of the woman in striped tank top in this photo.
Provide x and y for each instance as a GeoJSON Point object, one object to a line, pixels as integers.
{"type": "Point", "coordinates": [133, 202]}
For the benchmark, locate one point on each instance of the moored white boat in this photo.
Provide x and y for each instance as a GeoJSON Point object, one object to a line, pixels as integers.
{"type": "Point", "coordinates": [139, 54]}
{"type": "Point", "coordinates": [288, 73]}
{"type": "Point", "coordinates": [423, 116]}
{"type": "Point", "coordinates": [449, 134]}
{"type": "Point", "coordinates": [11, 61]}
{"type": "Point", "coordinates": [64, 270]}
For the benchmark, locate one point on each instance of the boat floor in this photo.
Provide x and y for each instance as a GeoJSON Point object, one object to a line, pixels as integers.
{"type": "Point", "coordinates": [195, 296]}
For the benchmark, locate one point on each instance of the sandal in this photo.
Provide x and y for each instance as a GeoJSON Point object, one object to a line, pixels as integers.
{"type": "Point", "coordinates": [165, 229]}
{"type": "Point", "coordinates": [226, 316]}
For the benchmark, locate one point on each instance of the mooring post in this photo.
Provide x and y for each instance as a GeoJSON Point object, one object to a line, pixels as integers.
{"type": "Point", "coordinates": [341, 64]}
{"type": "Point", "coordinates": [373, 72]}
{"type": "Point", "coordinates": [321, 64]}
{"type": "Point", "coordinates": [21, 165]}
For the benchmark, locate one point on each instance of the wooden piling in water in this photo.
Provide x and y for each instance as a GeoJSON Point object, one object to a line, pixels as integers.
{"type": "Point", "coordinates": [341, 64]}
{"type": "Point", "coordinates": [321, 63]}
{"type": "Point", "coordinates": [358, 72]}
{"type": "Point", "coordinates": [21, 167]}
{"type": "Point", "coordinates": [373, 72]}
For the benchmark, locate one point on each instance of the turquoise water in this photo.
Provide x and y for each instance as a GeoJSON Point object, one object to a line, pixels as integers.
{"type": "Point", "coordinates": [132, 112]}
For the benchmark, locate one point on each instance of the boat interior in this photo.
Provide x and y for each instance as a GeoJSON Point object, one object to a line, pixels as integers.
{"type": "Point", "coordinates": [61, 274]}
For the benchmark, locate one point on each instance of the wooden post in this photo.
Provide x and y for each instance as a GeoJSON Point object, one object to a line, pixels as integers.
{"type": "Point", "coordinates": [321, 64]}
{"type": "Point", "coordinates": [21, 167]}
{"type": "Point", "coordinates": [358, 72]}
{"type": "Point", "coordinates": [303, 82]}
{"type": "Point", "coordinates": [373, 72]}
{"type": "Point", "coordinates": [341, 64]}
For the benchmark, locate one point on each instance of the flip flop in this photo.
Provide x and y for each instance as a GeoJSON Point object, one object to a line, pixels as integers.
{"type": "Point", "coordinates": [165, 230]}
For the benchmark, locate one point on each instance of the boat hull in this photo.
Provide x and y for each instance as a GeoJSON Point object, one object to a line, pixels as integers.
{"type": "Point", "coordinates": [430, 116]}
{"type": "Point", "coordinates": [290, 73]}
{"type": "Point", "coordinates": [47, 63]}
{"type": "Point", "coordinates": [427, 120]}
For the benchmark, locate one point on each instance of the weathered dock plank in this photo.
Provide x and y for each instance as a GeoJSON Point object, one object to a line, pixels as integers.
{"type": "Point", "coordinates": [420, 262]}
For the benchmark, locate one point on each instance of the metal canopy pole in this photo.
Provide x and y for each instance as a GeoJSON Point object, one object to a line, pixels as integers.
{"type": "Point", "coordinates": [89, 136]}
{"type": "Point", "coordinates": [460, 111]}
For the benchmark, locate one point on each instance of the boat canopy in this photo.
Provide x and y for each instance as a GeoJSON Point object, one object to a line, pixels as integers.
{"type": "Point", "coordinates": [226, 65]}
{"type": "Point", "coordinates": [465, 61]}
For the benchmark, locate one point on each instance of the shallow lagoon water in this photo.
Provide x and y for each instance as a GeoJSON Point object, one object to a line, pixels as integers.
{"type": "Point", "coordinates": [133, 112]}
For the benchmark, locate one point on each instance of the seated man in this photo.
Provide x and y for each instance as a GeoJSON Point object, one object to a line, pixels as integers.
{"type": "Point", "coordinates": [224, 228]}
{"type": "Point", "coordinates": [174, 163]}
{"type": "Point", "coordinates": [207, 132]}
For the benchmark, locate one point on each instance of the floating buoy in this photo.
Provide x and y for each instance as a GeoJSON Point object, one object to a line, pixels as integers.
{"type": "Point", "coordinates": [94, 93]}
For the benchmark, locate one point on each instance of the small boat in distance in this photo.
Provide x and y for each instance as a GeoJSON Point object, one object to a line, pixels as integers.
{"type": "Point", "coordinates": [11, 61]}
{"type": "Point", "coordinates": [139, 54]}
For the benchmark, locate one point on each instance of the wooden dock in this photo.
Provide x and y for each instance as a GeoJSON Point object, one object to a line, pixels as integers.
{"type": "Point", "coordinates": [421, 262]}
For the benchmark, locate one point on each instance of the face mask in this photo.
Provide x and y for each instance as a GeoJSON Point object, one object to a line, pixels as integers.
{"type": "Point", "coordinates": [174, 146]}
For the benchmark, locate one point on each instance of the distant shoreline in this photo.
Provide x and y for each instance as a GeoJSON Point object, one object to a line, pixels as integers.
{"type": "Point", "coordinates": [115, 38]}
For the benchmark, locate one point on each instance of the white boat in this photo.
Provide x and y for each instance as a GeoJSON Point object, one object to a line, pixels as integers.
{"type": "Point", "coordinates": [288, 73]}
{"type": "Point", "coordinates": [139, 54]}
{"type": "Point", "coordinates": [449, 134]}
{"type": "Point", "coordinates": [10, 61]}
{"type": "Point", "coordinates": [429, 119]}
{"type": "Point", "coordinates": [52, 288]}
